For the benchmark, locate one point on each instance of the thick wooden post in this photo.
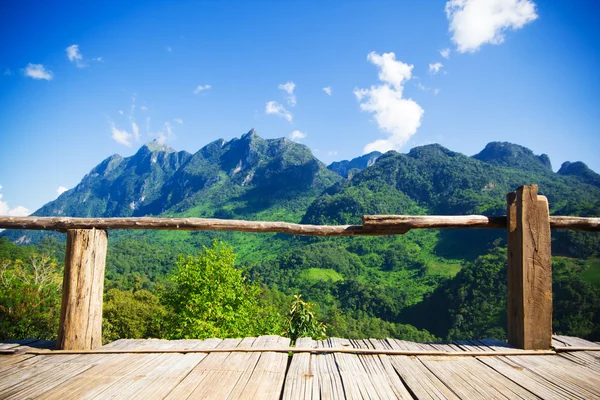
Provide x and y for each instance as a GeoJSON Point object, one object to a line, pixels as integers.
{"type": "Point", "coordinates": [529, 270]}
{"type": "Point", "coordinates": [83, 285]}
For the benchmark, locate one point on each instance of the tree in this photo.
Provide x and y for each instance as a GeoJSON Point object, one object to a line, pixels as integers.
{"type": "Point", "coordinates": [210, 297]}
{"type": "Point", "coordinates": [30, 295]}
{"type": "Point", "coordinates": [131, 314]}
{"type": "Point", "coordinates": [302, 321]}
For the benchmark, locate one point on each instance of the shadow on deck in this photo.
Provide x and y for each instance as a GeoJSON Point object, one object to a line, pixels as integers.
{"type": "Point", "coordinates": [497, 371]}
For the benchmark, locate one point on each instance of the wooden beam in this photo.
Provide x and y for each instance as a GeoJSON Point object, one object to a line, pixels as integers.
{"type": "Point", "coordinates": [434, 221]}
{"type": "Point", "coordinates": [373, 225]}
{"type": "Point", "coordinates": [81, 310]}
{"type": "Point", "coordinates": [529, 270]}
{"type": "Point", "coordinates": [408, 222]}
{"type": "Point", "coordinates": [327, 350]}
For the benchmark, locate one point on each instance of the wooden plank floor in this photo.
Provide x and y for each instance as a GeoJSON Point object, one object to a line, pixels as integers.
{"type": "Point", "coordinates": [320, 375]}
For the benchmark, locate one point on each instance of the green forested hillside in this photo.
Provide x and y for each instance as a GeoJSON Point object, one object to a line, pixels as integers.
{"type": "Point", "coordinates": [419, 286]}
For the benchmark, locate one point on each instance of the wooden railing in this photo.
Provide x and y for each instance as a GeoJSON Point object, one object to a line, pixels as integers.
{"type": "Point", "coordinates": [527, 222]}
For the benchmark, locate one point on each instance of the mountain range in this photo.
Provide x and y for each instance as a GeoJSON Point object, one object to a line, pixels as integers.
{"type": "Point", "coordinates": [364, 286]}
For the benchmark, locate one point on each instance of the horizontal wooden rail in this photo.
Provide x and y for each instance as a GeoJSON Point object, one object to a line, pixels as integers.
{"type": "Point", "coordinates": [515, 352]}
{"type": "Point", "coordinates": [373, 225]}
{"type": "Point", "coordinates": [408, 222]}
{"type": "Point", "coordinates": [63, 224]}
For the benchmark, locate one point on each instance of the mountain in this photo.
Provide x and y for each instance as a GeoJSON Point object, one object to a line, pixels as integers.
{"type": "Point", "coordinates": [514, 156]}
{"type": "Point", "coordinates": [241, 178]}
{"type": "Point", "coordinates": [581, 171]}
{"type": "Point", "coordinates": [364, 286]}
{"type": "Point", "coordinates": [359, 163]}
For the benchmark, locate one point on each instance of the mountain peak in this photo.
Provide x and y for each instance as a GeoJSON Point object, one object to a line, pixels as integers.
{"type": "Point", "coordinates": [251, 134]}
{"type": "Point", "coordinates": [512, 155]}
{"type": "Point", "coordinates": [580, 170]}
{"type": "Point", "coordinates": [155, 145]}
{"type": "Point", "coordinates": [343, 167]}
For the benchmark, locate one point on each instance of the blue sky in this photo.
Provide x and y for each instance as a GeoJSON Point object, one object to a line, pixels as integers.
{"type": "Point", "coordinates": [80, 81]}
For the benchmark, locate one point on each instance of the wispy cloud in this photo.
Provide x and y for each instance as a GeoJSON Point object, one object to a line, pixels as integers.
{"type": "Point", "coordinates": [37, 71]}
{"type": "Point", "coordinates": [297, 135]}
{"type": "Point", "coordinates": [61, 189]}
{"type": "Point", "coordinates": [474, 23]}
{"type": "Point", "coordinates": [289, 87]}
{"type": "Point", "coordinates": [435, 68]}
{"type": "Point", "coordinates": [327, 90]}
{"type": "Point", "coordinates": [178, 120]}
{"type": "Point", "coordinates": [136, 130]}
{"type": "Point", "coordinates": [274, 108]}
{"type": "Point", "coordinates": [332, 153]}
{"type": "Point", "coordinates": [445, 53]}
{"type": "Point", "coordinates": [166, 134]}
{"type": "Point", "coordinates": [75, 56]}
{"type": "Point", "coordinates": [7, 71]}
{"type": "Point", "coordinates": [18, 211]}
{"type": "Point", "coordinates": [395, 115]}
{"type": "Point", "coordinates": [202, 88]}
{"type": "Point", "coordinates": [169, 49]}
{"type": "Point", "coordinates": [144, 108]}
{"type": "Point", "coordinates": [121, 136]}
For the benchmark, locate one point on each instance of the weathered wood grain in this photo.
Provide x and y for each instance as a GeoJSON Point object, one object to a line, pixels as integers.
{"type": "Point", "coordinates": [529, 270]}
{"type": "Point", "coordinates": [373, 225]}
{"type": "Point", "coordinates": [83, 283]}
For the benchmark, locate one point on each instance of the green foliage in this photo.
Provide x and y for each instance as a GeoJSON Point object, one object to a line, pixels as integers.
{"type": "Point", "coordinates": [30, 295]}
{"type": "Point", "coordinates": [131, 314]}
{"type": "Point", "coordinates": [302, 321]}
{"type": "Point", "coordinates": [211, 298]}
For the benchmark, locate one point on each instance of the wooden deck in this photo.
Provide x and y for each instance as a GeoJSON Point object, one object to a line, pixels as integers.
{"type": "Point", "coordinates": [131, 374]}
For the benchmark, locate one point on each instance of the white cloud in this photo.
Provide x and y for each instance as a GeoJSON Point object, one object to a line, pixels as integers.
{"type": "Point", "coordinates": [395, 115]}
{"type": "Point", "coordinates": [166, 134]}
{"type": "Point", "coordinates": [178, 120]}
{"type": "Point", "coordinates": [144, 108]}
{"type": "Point", "coordinates": [297, 135]}
{"type": "Point", "coordinates": [435, 68]}
{"type": "Point", "coordinates": [436, 91]}
{"type": "Point", "coordinates": [74, 55]}
{"type": "Point", "coordinates": [327, 90]}
{"type": "Point", "coordinates": [391, 71]}
{"type": "Point", "coordinates": [18, 211]}
{"type": "Point", "coordinates": [332, 153]}
{"type": "Point", "coordinates": [37, 71]}
{"type": "Point", "coordinates": [121, 136]}
{"type": "Point", "coordinates": [99, 59]}
{"type": "Point", "coordinates": [474, 23]}
{"type": "Point", "coordinates": [289, 87]}
{"type": "Point", "coordinates": [445, 53]}
{"type": "Point", "coordinates": [136, 130]}
{"type": "Point", "coordinates": [121, 112]}
{"type": "Point", "coordinates": [61, 189]}
{"type": "Point", "coordinates": [275, 108]}
{"type": "Point", "coordinates": [202, 88]}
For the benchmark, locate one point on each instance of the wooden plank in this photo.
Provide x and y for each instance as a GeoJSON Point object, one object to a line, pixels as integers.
{"type": "Point", "coordinates": [266, 381]}
{"type": "Point", "coordinates": [302, 381]}
{"type": "Point", "coordinates": [570, 376]}
{"type": "Point", "coordinates": [529, 270]}
{"type": "Point", "coordinates": [110, 375]}
{"type": "Point", "coordinates": [419, 380]}
{"type": "Point", "coordinates": [81, 310]}
{"type": "Point", "coordinates": [382, 372]}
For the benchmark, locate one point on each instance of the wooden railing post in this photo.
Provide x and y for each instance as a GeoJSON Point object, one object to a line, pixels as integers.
{"type": "Point", "coordinates": [529, 270]}
{"type": "Point", "coordinates": [83, 285]}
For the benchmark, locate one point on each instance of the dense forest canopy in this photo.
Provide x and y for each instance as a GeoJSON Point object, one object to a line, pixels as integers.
{"type": "Point", "coordinates": [425, 285]}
